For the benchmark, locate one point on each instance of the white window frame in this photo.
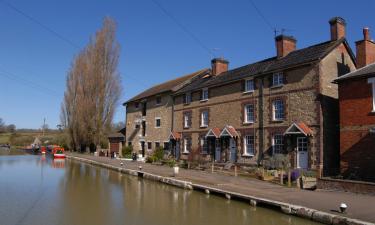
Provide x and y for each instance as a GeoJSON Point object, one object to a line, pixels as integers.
{"type": "Point", "coordinates": [247, 151]}
{"type": "Point", "coordinates": [277, 148]}
{"type": "Point", "coordinates": [203, 124]}
{"type": "Point", "coordinates": [277, 79]}
{"type": "Point", "coordinates": [372, 81]}
{"type": "Point", "coordinates": [156, 124]}
{"type": "Point", "coordinates": [186, 121]}
{"type": "Point", "coordinates": [247, 90]}
{"type": "Point", "coordinates": [275, 114]}
{"type": "Point", "coordinates": [247, 120]}
{"type": "Point", "coordinates": [204, 94]}
{"type": "Point", "coordinates": [187, 98]}
{"type": "Point", "coordinates": [185, 146]}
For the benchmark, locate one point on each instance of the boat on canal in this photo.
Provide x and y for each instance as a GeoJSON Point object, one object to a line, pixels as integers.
{"type": "Point", "coordinates": [56, 151]}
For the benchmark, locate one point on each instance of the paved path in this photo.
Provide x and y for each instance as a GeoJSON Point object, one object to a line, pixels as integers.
{"type": "Point", "coordinates": [360, 206]}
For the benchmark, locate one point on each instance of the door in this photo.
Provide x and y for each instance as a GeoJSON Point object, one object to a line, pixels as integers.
{"type": "Point", "coordinates": [177, 150]}
{"type": "Point", "coordinates": [232, 149]}
{"type": "Point", "coordinates": [143, 148]}
{"type": "Point", "coordinates": [217, 151]}
{"type": "Point", "coordinates": [302, 155]}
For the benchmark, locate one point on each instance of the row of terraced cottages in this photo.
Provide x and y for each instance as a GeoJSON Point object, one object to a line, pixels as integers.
{"type": "Point", "coordinates": [284, 105]}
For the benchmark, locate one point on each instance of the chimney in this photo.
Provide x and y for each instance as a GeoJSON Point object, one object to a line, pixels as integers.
{"type": "Point", "coordinates": [219, 65]}
{"type": "Point", "coordinates": [365, 49]}
{"type": "Point", "coordinates": [285, 45]}
{"type": "Point", "coordinates": [337, 25]}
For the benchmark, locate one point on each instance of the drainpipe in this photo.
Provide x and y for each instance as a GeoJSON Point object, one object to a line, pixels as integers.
{"type": "Point", "coordinates": [261, 117]}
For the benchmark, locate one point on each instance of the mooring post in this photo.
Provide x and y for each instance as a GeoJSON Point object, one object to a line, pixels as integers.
{"type": "Point", "coordinates": [281, 177]}
{"type": "Point", "coordinates": [289, 178]}
{"type": "Point", "coordinates": [235, 170]}
{"type": "Point", "coordinates": [212, 167]}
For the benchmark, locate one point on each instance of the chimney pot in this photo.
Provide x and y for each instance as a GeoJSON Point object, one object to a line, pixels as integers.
{"type": "Point", "coordinates": [219, 65]}
{"type": "Point", "coordinates": [366, 34]}
{"type": "Point", "coordinates": [285, 45]}
{"type": "Point", "coordinates": [338, 26]}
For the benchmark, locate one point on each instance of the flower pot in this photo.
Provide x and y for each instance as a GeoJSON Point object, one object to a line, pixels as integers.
{"type": "Point", "coordinates": [175, 170]}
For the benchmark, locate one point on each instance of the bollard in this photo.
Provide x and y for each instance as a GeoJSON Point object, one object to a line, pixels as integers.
{"type": "Point", "coordinates": [212, 167]}
{"type": "Point", "coordinates": [289, 179]}
{"type": "Point", "coordinates": [235, 171]}
{"type": "Point", "coordinates": [281, 177]}
{"type": "Point", "coordinates": [207, 191]}
{"type": "Point", "coordinates": [253, 202]}
{"type": "Point", "coordinates": [228, 196]}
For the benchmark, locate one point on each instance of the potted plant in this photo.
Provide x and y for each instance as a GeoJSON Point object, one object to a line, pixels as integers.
{"type": "Point", "coordinates": [172, 163]}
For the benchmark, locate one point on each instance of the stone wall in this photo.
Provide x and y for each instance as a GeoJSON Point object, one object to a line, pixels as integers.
{"type": "Point", "coordinates": [346, 185]}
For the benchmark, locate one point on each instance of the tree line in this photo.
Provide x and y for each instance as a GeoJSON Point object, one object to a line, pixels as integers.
{"type": "Point", "coordinates": [4, 128]}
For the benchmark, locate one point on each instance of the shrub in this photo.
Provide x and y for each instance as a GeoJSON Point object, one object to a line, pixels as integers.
{"type": "Point", "coordinates": [127, 152]}
{"type": "Point", "coordinates": [158, 154]}
{"type": "Point", "coordinates": [151, 159]}
{"type": "Point", "coordinates": [171, 162]}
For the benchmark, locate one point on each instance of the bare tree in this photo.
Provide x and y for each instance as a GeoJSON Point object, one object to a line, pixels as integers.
{"type": "Point", "coordinates": [2, 125]}
{"type": "Point", "coordinates": [92, 89]}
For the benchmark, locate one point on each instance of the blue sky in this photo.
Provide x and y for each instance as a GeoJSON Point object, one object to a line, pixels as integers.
{"type": "Point", "coordinates": [34, 62]}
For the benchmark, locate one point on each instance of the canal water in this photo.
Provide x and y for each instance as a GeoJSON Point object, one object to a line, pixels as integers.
{"type": "Point", "coordinates": [36, 190]}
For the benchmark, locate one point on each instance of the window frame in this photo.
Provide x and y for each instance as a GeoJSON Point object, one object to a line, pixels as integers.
{"type": "Point", "coordinates": [372, 82]}
{"type": "Point", "coordinates": [185, 146]}
{"type": "Point", "coordinates": [157, 144]}
{"type": "Point", "coordinates": [149, 145]}
{"type": "Point", "coordinates": [280, 79]}
{"type": "Point", "coordinates": [277, 148]}
{"type": "Point", "coordinates": [205, 112]}
{"type": "Point", "coordinates": [246, 140]}
{"type": "Point", "coordinates": [246, 87]}
{"type": "Point", "coordinates": [156, 100]}
{"type": "Point", "coordinates": [187, 98]}
{"type": "Point", "coordinates": [204, 97]}
{"type": "Point", "coordinates": [186, 120]}
{"type": "Point", "coordinates": [156, 122]}
{"type": "Point", "coordinates": [246, 119]}
{"type": "Point", "coordinates": [275, 108]}
{"type": "Point", "coordinates": [136, 105]}
{"type": "Point", "coordinates": [204, 145]}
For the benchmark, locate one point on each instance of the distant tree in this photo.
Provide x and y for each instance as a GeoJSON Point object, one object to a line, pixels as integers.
{"type": "Point", "coordinates": [116, 127]}
{"type": "Point", "coordinates": [11, 128]}
{"type": "Point", "coordinates": [2, 126]}
{"type": "Point", "coordinates": [92, 89]}
{"type": "Point", "coordinates": [60, 127]}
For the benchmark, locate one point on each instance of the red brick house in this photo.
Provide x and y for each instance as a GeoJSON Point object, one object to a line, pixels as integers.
{"type": "Point", "coordinates": [357, 115]}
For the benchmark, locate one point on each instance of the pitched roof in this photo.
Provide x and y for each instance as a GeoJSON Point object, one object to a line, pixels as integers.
{"type": "Point", "coordinates": [365, 71]}
{"type": "Point", "coordinates": [214, 132]}
{"type": "Point", "coordinates": [171, 85]}
{"type": "Point", "coordinates": [299, 127]}
{"type": "Point", "coordinates": [293, 59]}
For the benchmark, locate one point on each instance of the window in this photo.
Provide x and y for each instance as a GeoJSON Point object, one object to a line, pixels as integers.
{"type": "Point", "coordinates": [277, 143]}
{"type": "Point", "coordinates": [186, 145]}
{"type": "Point", "coordinates": [166, 145]}
{"type": "Point", "coordinates": [157, 122]}
{"type": "Point", "coordinates": [157, 144]}
{"type": "Point", "coordinates": [277, 79]}
{"type": "Point", "coordinates": [249, 85]}
{"type": "Point", "coordinates": [204, 119]}
{"type": "Point", "coordinates": [248, 145]}
{"type": "Point", "coordinates": [186, 121]}
{"type": "Point", "coordinates": [204, 96]}
{"type": "Point", "coordinates": [372, 81]}
{"type": "Point", "coordinates": [187, 98]}
{"type": "Point", "coordinates": [136, 105]}
{"type": "Point", "coordinates": [204, 146]}
{"type": "Point", "coordinates": [149, 145]}
{"type": "Point", "coordinates": [249, 113]}
{"type": "Point", "coordinates": [278, 109]}
{"type": "Point", "coordinates": [158, 100]}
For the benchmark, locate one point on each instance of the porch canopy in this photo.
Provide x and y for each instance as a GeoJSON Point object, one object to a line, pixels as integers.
{"type": "Point", "coordinates": [175, 135]}
{"type": "Point", "coordinates": [229, 131]}
{"type": "Point", "coordinates": [299, 128]}
{"type": "Point", "coordinates": [214, 132]}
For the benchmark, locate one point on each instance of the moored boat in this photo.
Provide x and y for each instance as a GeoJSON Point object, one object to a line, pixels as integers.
{"type": "Point", "coordinates": [56, 152]}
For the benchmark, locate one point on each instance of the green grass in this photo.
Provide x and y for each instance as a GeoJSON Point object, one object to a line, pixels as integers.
{"type": "Point", "coordinates": [4, 138]}
{"type": "Point", "coordinates": [26, 138]}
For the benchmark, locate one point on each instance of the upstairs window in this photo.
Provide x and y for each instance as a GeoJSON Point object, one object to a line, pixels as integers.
{"type": "Point", "coordinates": [372, 81]}
{"type": "Point", "coordinates": [186, 120]}
{"type": "Point", "coordinates": [204, 119]}
{"type": "Point", "coordinates": [249, 113]}
{"type": "Point", "coordinates": [249, 145]}
{"type": "Point", "coordinates": [157, 122]}
{"type": "Point", "coordinates": [277, 143]}
{"type": "Point", "coordinates": [204, 94]}
{"type": "Point", "coordinates": [278, 109]}
{"type": "Point", "coordinates": [157, 144]}
{"type": "Point", "coordinates": [277, 79]}
{"type": "Point", "coordinates": [187, 98]}
{"type": "Point", "coordinates": [249, 85]}
{"type": "Point", "coordinates": [158, 100]}
{"type": "Point", "coordinates": [136, 105]}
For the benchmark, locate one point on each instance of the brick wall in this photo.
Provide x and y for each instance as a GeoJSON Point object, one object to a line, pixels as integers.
{"type": "Point", "coordinates": [357, 149]}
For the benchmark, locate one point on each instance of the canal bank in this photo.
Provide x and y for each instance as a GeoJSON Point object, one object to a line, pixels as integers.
{"type": "Point", "coordinates": [320, 206]}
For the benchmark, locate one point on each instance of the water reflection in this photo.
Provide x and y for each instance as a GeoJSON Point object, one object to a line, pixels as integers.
{"type": "Point", "coordinates": [40, 190]}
